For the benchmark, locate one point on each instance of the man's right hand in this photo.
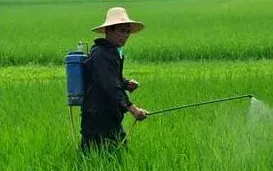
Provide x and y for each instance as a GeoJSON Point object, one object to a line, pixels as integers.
{"type": "Point", "coordinates": [138, 113]}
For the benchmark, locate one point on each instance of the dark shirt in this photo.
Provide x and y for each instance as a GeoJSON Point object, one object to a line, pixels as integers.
{"type": "Point", "coordinates": [105, 99]}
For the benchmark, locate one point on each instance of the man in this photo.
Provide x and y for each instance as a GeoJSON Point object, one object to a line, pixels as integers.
{"type": "Point", "coordinates": [105, 100]}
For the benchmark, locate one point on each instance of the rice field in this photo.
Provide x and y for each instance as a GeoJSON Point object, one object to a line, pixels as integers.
{"type": "Point", "coordinates": [175, 30]}
{"type": "Point", "coordinates": [36, 135]}
{"type": "Point", "coordinates": [191, 51]}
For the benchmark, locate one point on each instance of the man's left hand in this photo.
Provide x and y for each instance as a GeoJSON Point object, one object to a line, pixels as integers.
{"type": "Point", "coordinates": [132, 85]}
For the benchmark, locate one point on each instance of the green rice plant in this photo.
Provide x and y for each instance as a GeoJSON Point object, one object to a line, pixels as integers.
{"type": "Point", "coordinates": [186, 30]}
{"type": "Point", "coordinates": [35, 128]}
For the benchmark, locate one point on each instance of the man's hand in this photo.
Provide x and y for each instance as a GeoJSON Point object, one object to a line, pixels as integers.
{"type": "Point", "coordinates": [132, 85]}
{"type": "Point", "coordinates": [138, 113]}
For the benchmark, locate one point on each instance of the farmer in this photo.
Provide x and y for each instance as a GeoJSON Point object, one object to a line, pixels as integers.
{"type": "Point", "coordinates": [105, 99]}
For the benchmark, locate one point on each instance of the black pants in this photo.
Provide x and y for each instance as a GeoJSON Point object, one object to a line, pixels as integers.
{"type": "Point", "coordinates": [102, 140]}
{"type": "Point", "coordinates": [101, 130]}
{"type": "Point", "coordinates": [107, 147]}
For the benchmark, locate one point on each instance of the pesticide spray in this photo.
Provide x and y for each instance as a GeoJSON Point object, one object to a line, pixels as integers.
{"type": "Point", "coordinates": [259, 111]}
{"type": "Point", "coordinates": [259, 114]}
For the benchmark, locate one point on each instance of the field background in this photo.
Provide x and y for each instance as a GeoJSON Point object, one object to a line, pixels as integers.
{"type": "Point", "coordinates": [190, 51]}
{"type": "Point", "coordinates": [190, 29]}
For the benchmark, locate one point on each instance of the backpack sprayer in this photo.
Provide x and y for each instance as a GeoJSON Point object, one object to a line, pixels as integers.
{"type": "Point", "coordinates": [75, 80]}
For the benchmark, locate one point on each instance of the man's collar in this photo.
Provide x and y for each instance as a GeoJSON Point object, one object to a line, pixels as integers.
{"type": "Point", "coordinates": [104, 42]}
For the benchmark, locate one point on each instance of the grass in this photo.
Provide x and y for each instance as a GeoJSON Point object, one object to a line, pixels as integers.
{"type": "Point", "coordinates": [226, 37]}
{"type": "Point", "coordinates": [191, 30]}
{"type": "Point", "coordinates": [35, 133]}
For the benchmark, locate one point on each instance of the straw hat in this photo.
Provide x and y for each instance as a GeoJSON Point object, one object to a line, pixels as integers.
{"type": "Point", "coordinates": [118, 15]}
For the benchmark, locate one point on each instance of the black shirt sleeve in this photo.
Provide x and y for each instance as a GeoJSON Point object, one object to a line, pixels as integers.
{"type": "Point", "coordinates": [106, 73]}
{"type": "Point", "coordinates": [125, 83]}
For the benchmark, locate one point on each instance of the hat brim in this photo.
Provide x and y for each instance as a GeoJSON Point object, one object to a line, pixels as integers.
{"type": "Point", "coordinates": [135, 26]}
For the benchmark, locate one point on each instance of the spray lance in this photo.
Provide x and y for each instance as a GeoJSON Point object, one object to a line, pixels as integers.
{"type": "Point", "coordinates": [188, 106]}
{"type": "Point", "coordinates": [202, 103]}
{"type": "Point", "coordinates": [75, 80]}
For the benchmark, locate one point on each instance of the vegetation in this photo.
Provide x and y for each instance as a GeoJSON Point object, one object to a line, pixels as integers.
{"type": "Point", "coordinates": [175, 30]}
{"type": "Point", "coordinates": [190, 51]}
{"type": "Point", "coordinates": [36, 135]}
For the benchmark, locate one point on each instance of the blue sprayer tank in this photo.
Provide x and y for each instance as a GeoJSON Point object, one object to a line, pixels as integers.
{"type": "Point", "coordinates": [74, 73]}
